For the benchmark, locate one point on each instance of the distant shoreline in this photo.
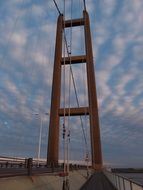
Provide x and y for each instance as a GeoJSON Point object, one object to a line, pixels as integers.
{"type": "Point", "coordinates": [127, 170]}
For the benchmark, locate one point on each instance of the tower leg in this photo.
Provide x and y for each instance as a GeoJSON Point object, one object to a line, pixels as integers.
{"type": "Point", "coordinates": [93, 106]}
{"type": "Point", "coordinates": [53, 140]}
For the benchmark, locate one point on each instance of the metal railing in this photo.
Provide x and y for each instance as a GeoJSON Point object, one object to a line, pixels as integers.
{"type": "Point", "coordinates": [121, 182]}
{"type": "Point", "coordinates": [19, 166]}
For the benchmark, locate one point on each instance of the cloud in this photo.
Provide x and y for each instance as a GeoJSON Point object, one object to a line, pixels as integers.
{"type": "Point", "coordinates": [117, 46]}
{"type": "Point", "coordinates": [27, 39]}
{"type": "Point", "coordinates": [19, 39]}
{"type": "Point", "coordinates": [110, 6]}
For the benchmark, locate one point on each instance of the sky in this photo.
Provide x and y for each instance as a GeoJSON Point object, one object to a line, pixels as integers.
{"type": "Point", "coordinates": [27, 39]}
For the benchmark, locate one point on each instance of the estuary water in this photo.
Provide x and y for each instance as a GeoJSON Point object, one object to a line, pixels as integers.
{"type": "Point", "coordinates": [136, 177]}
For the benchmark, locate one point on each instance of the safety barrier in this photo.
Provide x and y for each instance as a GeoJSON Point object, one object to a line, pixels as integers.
{"type": "Point", "coordinates": [122, 183]}
{"type": "Point", "coordinates": [18, 167]}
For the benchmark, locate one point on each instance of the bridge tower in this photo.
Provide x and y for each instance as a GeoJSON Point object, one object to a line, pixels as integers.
{"type": "Point", "coordinates": [92, 109]}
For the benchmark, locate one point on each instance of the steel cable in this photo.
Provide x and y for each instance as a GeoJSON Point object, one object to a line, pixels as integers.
{"type": "Point", "coordinates": [56, 5]}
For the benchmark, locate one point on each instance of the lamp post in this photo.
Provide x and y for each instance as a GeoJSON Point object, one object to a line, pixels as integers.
{"type": "Point", "coordinates": [40, 135]}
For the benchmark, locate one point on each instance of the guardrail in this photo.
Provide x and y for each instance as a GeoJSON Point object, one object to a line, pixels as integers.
{"type": "Point", "coordinates": [15, 167]}
{"type": "Point", "coordinates": [122, 183]}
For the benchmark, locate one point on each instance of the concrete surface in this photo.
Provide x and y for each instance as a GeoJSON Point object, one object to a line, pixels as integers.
{"type": "Point", "coordinates": [43, 182]}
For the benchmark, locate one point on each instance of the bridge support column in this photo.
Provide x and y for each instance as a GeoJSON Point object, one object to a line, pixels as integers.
{"type": "Point", "coordinates": [92, 96]}
{"type": "Point", "coordinates": [92, 110]}
{"type": "Point", "coordinates": [53, 140]}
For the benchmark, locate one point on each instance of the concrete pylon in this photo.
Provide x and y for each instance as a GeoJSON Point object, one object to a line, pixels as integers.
{"type": "Point", "coordinates": [92, 110]}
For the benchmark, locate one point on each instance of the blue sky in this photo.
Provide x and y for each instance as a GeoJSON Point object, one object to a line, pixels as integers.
{"type": "Point", "coordinates": [27, 38]}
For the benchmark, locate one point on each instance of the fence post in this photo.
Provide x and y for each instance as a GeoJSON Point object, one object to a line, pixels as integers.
{"type": "Point", "coordinates": [29, 166]}
{"type": "Point", "coordinates": [124, 184]}
{"type": "Point", "coordinates": [116, 181]}
{"type": "Point", "coordinates": [131, 185]}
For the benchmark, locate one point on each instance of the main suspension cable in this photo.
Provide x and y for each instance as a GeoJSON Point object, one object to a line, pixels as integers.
{"type": "Point", "coordinates": [82, 125]}
{"type": "Point", "coordinates": [66, 130]}
{"type": "Point", "coordinates": [84, 3]}
{"type": "Point", "coordinates": [75, 89]}
{"type": "Point", "coordinates": [65, 181]}
{"type": "Point", "coordinates": [69, 106]}
{"type": "Point", "coordinates": [56, 5]}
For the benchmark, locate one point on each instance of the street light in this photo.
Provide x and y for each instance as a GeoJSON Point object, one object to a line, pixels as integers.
{"type": "Point", "coordinates": [40, 135]}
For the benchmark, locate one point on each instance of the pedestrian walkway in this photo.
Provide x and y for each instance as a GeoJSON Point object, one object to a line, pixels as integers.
{"type": "Point", "coordinates": [43, 181]}
{"type": "Point", "coordinates": [98, 181]}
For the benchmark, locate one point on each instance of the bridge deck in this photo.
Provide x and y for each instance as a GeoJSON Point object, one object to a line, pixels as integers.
{"type": "Point", "coordinates": [98, 182]}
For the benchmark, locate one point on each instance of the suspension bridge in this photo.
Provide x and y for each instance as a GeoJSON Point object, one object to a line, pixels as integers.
{"type": "Point", "coordinates": [91, 174]}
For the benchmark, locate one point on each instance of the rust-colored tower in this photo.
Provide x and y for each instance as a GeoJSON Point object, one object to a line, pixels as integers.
{"type": "Point", "coordinates": [57, 112]}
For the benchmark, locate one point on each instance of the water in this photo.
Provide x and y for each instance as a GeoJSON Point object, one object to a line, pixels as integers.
{"type": "Point", "coordinates": [136, 177]}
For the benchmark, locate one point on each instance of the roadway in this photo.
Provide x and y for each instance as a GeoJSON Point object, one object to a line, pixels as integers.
{"type": "Point", "coordinates": [98, 181]}
{"type": "Point", "coordinates": [11, 172]}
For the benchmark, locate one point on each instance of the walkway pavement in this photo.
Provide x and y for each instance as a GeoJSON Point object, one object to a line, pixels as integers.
{"type": "Point", "coordinates": [98, 182]}
{"type": "Point", "coordinates": [43, 182]}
